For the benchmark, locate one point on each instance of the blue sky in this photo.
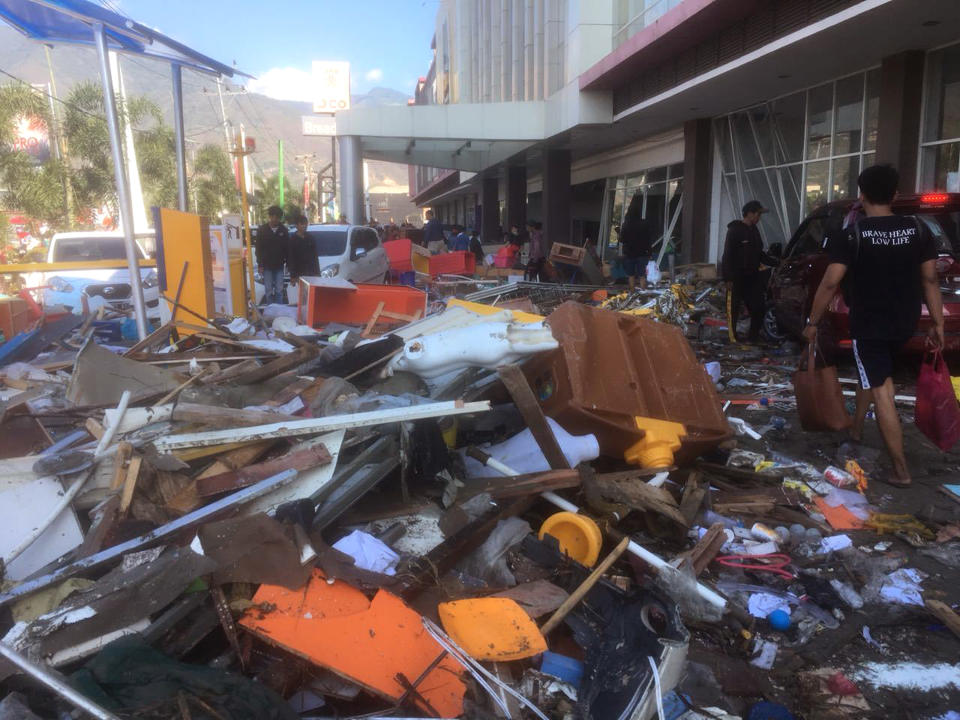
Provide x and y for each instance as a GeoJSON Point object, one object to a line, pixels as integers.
{"type": "Point", "coordinates": [387, 42]}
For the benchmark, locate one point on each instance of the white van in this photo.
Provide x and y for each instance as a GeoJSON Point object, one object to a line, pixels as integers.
{"type": "Point", "coordinates": [67, 287]}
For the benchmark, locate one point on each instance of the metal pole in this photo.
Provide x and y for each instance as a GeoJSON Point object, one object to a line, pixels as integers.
{"type": "Point", "coordinates": [223, 115]}
{"type": "Point", "coordinates": [53, 682]}
{"type": "Point", "coordinates": [333, 174]}
{"type": "Point", "coordinates": [240, 153]}
{"type": "Point", "coordinates": [280, 171]}
{"type": "Point", "coordinates": [178, 135]}
{"type": "Point", "coordinates": [120, 176]}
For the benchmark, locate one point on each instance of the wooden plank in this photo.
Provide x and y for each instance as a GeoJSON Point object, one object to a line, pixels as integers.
{"type": "Point", "coordinates": [628, 489]}
{"type": "Point", "coordinates": [182, 386]}
{"type": "Point", "coordinates": [278, 366]}
{"type": "Point", "coordinates": [577, 595]}
{"type": "Point", "coordinates": [706, 549]}
{"type": "Point", "coordinates": [124, 453]}
{"type": "Point", "coordinates": [373, 320]}
{"type": "Point", "coordinates": [945, 614]}
{"type": "Point", "coordinates": [235, 479]}
{"type": "Point", "coordinates": [224, 417]}
{"type": "Point", "coordinates": [162, 332]}
{"type": "Point", "coordinates": [518, 387]}
{"type": "Point", "coordinates": [130, 484]}
{"type": "Point", "coordinates": [693, 494]}
{"type": "Point", "coordinates": [236, 459]}
{"type": "Point", "coordinates": [739, 473]}
{"type": "Point", "coordinates": [94, 428]}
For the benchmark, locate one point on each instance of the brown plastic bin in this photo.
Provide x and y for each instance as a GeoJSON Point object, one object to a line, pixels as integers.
{"type": "Point", "coordinates": [611, 368]}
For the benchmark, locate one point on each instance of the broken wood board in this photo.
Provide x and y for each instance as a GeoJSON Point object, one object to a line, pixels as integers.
{"type": "Point", "coordinates": [99, 378]}
{"type": "Point", "coordinates": [637, 494]}
{"type": "Point", "coordinates": [364, 641]}
{"type": "Point", "coordinates": [706, 549]}
{"type": "Point", "coordinates": [25, 503]}
{"type": "Point", "coordinates": [299, 460]}
{"type": "Point", "coordinates": [537, 598]}
{"type": "Point", "coordinates": [313, 426]}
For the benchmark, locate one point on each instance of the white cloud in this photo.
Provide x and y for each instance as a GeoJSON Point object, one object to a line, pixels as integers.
{"type": "Point", "coordinates": [375, 75]}
{"type": "Point", "coordinates": [287, 83]}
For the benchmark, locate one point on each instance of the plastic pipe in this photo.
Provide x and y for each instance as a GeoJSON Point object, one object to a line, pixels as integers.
{"type": "Point", "coordinates": [633, 548]}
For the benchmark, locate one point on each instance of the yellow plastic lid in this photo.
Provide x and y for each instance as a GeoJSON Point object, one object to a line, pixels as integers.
{"type": "Point", "coordinates": [578, 536]}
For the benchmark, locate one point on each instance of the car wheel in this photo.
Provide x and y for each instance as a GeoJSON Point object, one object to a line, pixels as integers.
{"type": "Point", "coordinates": [771, 327]}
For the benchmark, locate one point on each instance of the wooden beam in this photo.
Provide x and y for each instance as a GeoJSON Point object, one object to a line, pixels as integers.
{"type": "Point", "coordinates": [244, 477]}
{"type": "Point", "coordinates": [124, 453]}
{"type": "Point", "coordinates": [706, 549]}
{"type": "Point", "coordinates": [130, 484]}
{"type": "Point", "coordinates": [518, 387]}
{"type": "Point", "coordinates": [577, 595]}
{"type": "Point", "coordinates": [945, 614]}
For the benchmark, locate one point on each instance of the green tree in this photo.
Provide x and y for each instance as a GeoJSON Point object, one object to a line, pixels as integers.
{"type": "Point", "coordinates": [36, 190]}
{"type": "Point", "coordinates": [213, 184]}
{"type": "Point", "coordinates": [90, 159]}
{"type": "Point", "coordinates": [267, 193]}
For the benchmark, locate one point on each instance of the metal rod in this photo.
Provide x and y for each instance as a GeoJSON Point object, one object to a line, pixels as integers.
{"type": "Point", "coordinates": [176, 72]}
{"type": "Point", "coordinates": [120, 176]}
{"type": "Point", "coordinates": [53, 682]}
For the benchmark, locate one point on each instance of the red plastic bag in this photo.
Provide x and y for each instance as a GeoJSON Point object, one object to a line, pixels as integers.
{"type": "Point", "coordinates": [937, 413]}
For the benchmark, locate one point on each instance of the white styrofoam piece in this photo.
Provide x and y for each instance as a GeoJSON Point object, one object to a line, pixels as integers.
{"type": "Point", "coordinates": [25, 502]}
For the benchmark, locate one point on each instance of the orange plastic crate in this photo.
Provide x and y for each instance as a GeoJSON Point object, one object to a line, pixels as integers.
{"type": "Point", "coordinates": [461, 262]}
{"type": "Point", "coordinates": [323, 302]}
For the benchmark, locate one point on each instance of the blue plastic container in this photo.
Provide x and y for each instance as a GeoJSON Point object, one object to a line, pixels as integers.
{"type": "Point", "coordinates": [560, 666]}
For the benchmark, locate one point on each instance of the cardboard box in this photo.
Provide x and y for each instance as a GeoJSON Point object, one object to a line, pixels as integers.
{"type": "Point", "coordinates": [14, 316]}
{"type": "Point", "coordinates": [568, 254]}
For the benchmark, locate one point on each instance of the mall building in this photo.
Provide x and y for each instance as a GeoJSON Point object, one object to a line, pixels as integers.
{"type": "Point", "coordinates": [562, 110]}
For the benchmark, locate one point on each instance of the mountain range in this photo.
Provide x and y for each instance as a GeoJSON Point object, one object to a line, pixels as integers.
{"type": "Point", "coordinates": [264, 118]}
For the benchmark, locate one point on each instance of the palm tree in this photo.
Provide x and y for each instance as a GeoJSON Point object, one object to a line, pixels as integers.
{"type": "Point", "coordinates": [213, 183]}
{"type": "Point", "coordinates": [33, 188]}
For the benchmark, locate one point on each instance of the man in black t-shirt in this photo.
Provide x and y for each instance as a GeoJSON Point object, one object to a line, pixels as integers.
{"type": "Point", "coordinates": [889, 262]}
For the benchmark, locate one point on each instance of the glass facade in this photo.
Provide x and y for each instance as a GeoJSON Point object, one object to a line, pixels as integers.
{"type": "Point", "coordinates": [662, 191]}
{"type": "Point", "coordinates": [797, 152]}
{"type": "Point", "coordinates": [632, 16]}
{"type": "Point", "coordinates": [940, 138]}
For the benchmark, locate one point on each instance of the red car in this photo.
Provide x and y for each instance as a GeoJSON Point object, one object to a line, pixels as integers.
{"type": "Point", "coordinates": [794, 282]}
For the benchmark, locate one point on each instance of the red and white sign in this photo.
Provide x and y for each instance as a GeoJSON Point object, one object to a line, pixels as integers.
{"type": "Point", "coordinates": [30, 135]}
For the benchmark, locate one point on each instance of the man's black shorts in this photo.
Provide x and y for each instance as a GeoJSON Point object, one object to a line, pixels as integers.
{"type": "Point", "coordinates": [875, 360]}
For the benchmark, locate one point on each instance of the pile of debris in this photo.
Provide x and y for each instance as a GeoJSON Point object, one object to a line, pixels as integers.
{"type": "Point", "coordinates": [486, 512]}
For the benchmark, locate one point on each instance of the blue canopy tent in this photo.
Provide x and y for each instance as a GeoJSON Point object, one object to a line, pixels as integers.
{"type": "Point", "coordinates": [79, 22]}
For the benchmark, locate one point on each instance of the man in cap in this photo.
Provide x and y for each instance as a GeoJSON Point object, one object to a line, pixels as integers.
{"type": "Point", "coordinates": [743, 255]}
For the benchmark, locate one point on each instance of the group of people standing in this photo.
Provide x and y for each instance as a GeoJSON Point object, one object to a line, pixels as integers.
{"type": "Point", "coordinates": [464, 239]}
{"type": "Point", "coordinates": [277, 250]}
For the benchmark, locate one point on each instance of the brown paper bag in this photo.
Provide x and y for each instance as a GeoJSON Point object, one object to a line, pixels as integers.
{"type": "Point", "coordinates": [819, 396]}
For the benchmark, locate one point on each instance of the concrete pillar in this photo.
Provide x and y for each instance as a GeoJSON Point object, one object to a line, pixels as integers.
{"type": "Point", "coordinates": [496, 50]}
{"type": "Point", "coordinates": [538, 57]}
{"type": "Point", "coordinates": [528, 30]}
{"type": "Point", "coordinates": [516, 197]}
{"type": "Point", "coordinates": [697, 172]}
{"type": "Point", "coordinates": [517, 51]}
{"type": "Point", "coordinates": [351, 179]}
{"type": "Point", "coordinates": [901, 98]}
{"type": "Point", "coordinates": [506, 55]}
{"type": "Point", "coordinates": [556, 196]}
{"type": "Point", "coordinates": [490, 208]}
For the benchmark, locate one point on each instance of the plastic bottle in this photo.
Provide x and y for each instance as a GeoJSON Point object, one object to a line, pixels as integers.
{"type": "Point", "coordinates": [813, 535]}
{"type": "Point", "coordinates": [846, 592]}
{"type": "Point", "coordinates": [761, 532]}
{"type": "Point", "coordinates": [783, 534]}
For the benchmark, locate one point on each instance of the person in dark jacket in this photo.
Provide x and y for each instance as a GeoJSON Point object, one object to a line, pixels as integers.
{"type": "Point", "coordinates": [433, 238]}
{"type": "Point", "coordinates": [272, 241]}
{"type": "Point", "coordinates": [743, 254]}
{"type": "Point", "coordinates": [636, 243]}
{"type": "Point", "coordinates": [303, 260]}
{"type": "Point", "coordinates": [476, 247]}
